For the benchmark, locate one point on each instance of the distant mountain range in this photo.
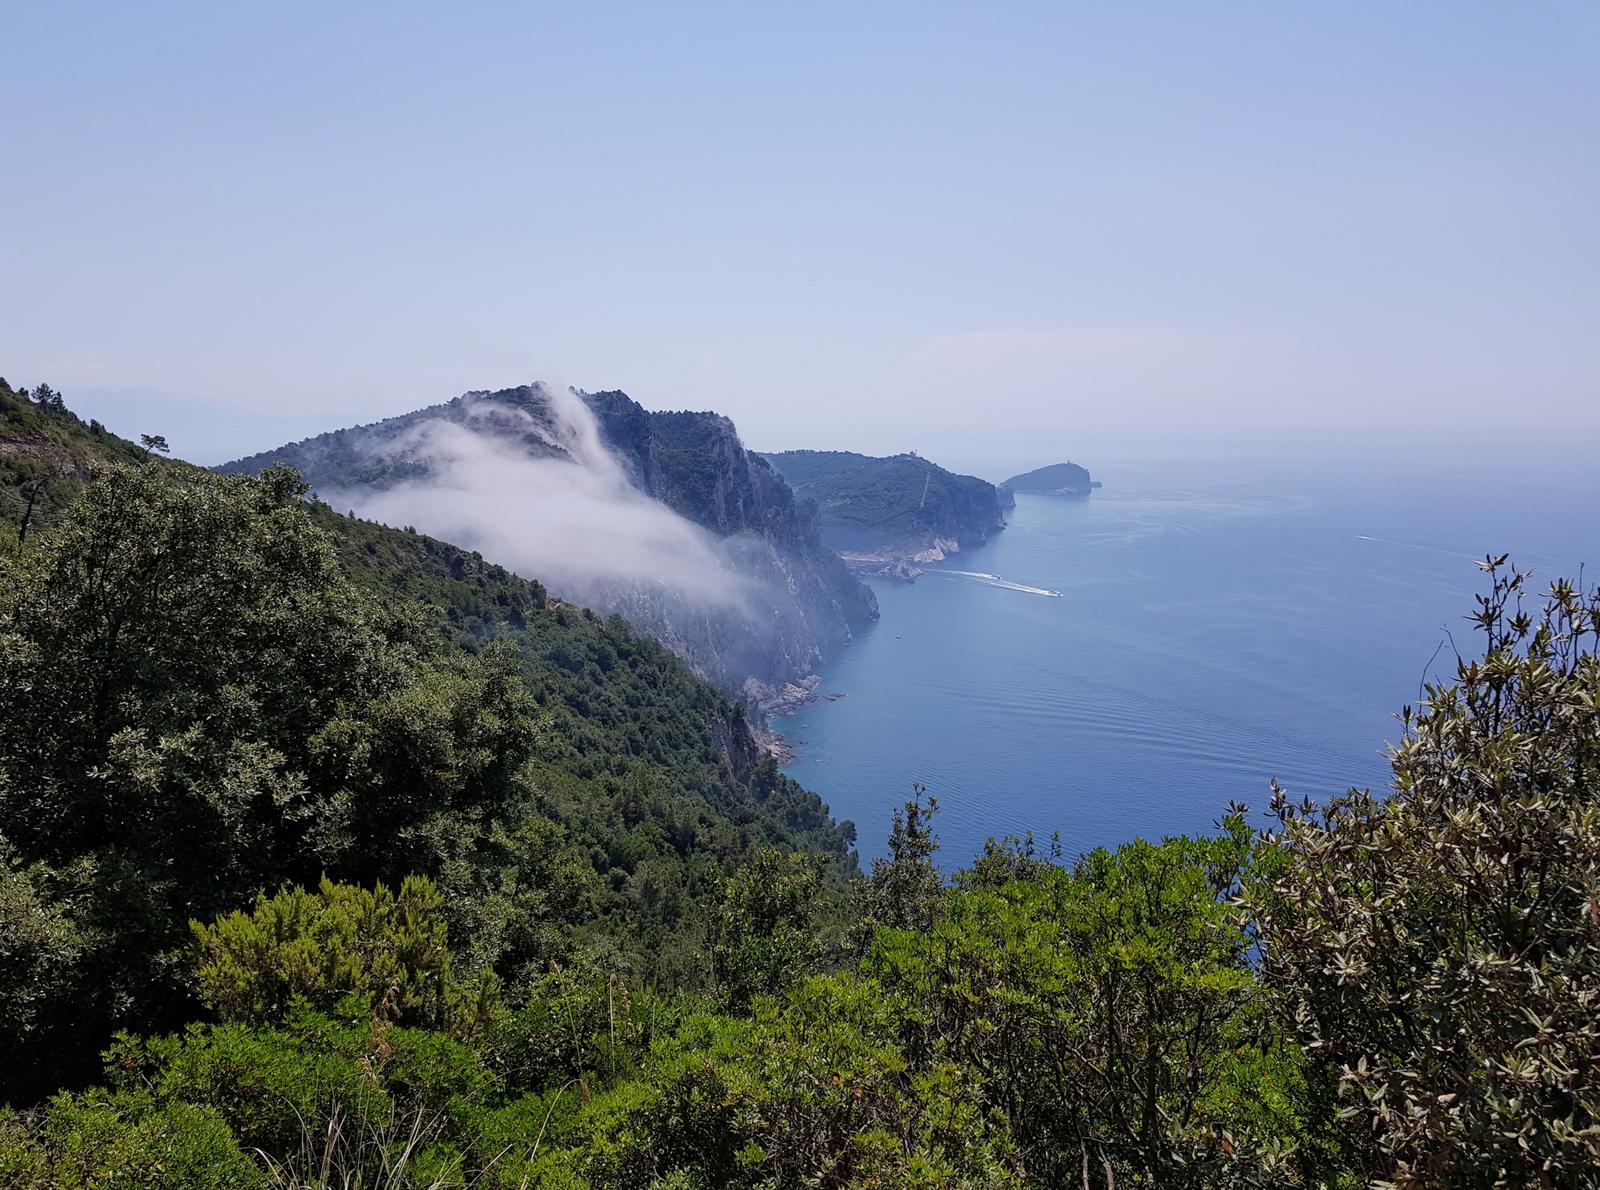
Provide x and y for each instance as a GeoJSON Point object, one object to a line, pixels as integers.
{"type": "Point", "coordinates": [747, 592]}
{"type": "Point", "coordinates": [887, 515]}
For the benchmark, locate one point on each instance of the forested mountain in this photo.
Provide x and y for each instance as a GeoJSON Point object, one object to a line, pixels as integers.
{"type": "Point", "coordinates": [332, 855]}
{"type": "Point", "coordinates": [896, 510]}
{"type": "Point", "coordinates": [756, 595]}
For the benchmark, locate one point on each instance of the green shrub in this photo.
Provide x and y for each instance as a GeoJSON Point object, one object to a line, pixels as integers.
{"type": "Point", "coordinates": [765, 939]}
{"type": "Point", "coordinates": [389, 949]}
{"type": "Point", "coordinates": [1111, 1014]}
{"type": "Point", "coordinates": [571, 1023]}
{"type": "Point", "coordinates": [124, 1141]}
{"type": "Point", "coordinates": [42, 943]}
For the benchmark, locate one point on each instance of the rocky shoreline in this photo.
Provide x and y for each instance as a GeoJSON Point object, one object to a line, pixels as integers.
{"type": "Point", "coordinates": [901, 565]}
{"type": "Point", "coordinates": [787, 698]}
{"type": "Point", "coordinates": [770, 701]}
{"type": "Point", "coordinates": [883, 566]}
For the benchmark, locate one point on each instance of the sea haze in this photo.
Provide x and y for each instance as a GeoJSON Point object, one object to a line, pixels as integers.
{"type": "Point", "coordinates": [1216, 628]}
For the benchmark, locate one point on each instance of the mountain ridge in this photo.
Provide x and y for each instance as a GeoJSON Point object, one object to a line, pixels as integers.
{"type": "Point", "coordinates": [805, 605]}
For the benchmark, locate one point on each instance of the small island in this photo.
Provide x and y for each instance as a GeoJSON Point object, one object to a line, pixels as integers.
{"type": "Point", "coordinates": [1056, 479]}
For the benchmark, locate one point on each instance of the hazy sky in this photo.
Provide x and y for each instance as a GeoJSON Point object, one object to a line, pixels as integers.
{"type": "Point", "coordinates": [863, 225]}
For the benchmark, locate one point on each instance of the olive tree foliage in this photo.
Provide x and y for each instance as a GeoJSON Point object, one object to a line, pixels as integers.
{"type": "Point", "coordinates": [40, 945]}
{"type": "Point", "coordinates": [1438, 949]}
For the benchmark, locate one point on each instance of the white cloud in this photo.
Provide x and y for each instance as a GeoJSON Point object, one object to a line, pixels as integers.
{"type": "Point", "coordinates": [565, 514]}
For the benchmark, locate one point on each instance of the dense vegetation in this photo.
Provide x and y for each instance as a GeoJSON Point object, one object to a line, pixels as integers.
{"type": "Point", "coordinates": [900, 502]}
{"type": "Point", "coordinates": [333, 856]}
{"type": "Point", "coordinates": [209, 688]}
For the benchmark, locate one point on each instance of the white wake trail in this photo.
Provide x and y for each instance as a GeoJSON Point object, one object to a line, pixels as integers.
{"type": "Point", "coordinates": [994, 580]}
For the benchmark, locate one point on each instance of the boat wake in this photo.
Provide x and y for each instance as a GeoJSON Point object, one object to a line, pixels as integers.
{"type": "Point", "coordinates": [994, 580]}
{"type": "Point", "coordinates": [1412, 545]}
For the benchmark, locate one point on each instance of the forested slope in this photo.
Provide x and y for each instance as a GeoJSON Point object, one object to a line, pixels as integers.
{"type": "Point", "coordinates": [902, 504]}
{"type": "Point", "coordinates": [566, 780]}
{"type": "Point", "coordinates": [46, 456]}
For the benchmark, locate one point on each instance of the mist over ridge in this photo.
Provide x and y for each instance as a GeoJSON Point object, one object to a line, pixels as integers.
{"type": "Point", "coordinates": [661, 517]}
{"type": "Point", "coordinates": [570, 517]}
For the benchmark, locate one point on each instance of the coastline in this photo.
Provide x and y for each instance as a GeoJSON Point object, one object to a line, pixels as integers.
{"type": "Point", "coordinates": [901, 565]}
{"type": "Point", "coordinates": [773, 702]}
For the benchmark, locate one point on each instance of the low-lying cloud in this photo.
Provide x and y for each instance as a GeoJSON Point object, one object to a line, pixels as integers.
{"type": "Point", "coordinates": [547, 499]}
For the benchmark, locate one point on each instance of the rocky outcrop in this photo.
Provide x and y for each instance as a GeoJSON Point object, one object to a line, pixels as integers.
{"type": "Point", "coordinates": [893, 568]}
{"type": "Point", "coordinates": [888, 516]}
{"type": "Point", "coordinates": [800, 603]}
{"type": "Point", "coordinates": [1057, 479]}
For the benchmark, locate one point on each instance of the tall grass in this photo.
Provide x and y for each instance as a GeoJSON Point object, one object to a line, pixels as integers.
{"type": "Point", "coordinates": [395, 1151]}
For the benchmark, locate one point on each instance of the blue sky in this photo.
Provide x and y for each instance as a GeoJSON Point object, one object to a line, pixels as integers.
{"type": "Point", "coordinates": [868, 225]}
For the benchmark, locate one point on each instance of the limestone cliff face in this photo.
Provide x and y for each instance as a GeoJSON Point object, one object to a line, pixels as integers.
{"type": "Point", "coordinates": [695, 464]}
{"type": "Point", "coordinates": [799, 603]}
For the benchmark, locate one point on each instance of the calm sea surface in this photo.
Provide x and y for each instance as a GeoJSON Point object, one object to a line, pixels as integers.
{"type": "Point", "coordinates": [1211, 633]}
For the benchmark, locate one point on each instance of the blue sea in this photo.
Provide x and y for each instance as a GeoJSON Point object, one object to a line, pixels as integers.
{"type": "Point", "coordinates": [1214, 629]}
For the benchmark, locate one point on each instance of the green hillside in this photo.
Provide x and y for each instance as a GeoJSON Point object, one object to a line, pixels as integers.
{"type": "Point", "coordinates": [332, 856]}
{"type": "Point", "coordinates": [635, 785]}
{"type": "Point", "coordinates": [47, 454]}
{"type": "Point", "coordinates": [900, 502]}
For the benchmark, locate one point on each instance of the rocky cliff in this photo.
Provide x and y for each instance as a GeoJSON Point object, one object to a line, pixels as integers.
{"type": "Point", "coordinates": [889, 515]}
{"type": "Point", "coordinates": [792, 600]}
